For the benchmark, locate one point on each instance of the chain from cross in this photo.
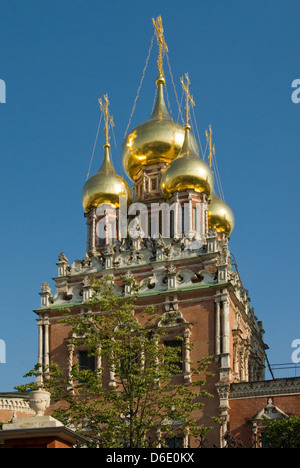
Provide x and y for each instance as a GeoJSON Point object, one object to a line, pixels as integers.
{"type": "Point", "coordinates": [189, 97]}
{"type": "Point", "coordinates": [161, 43]}
{"type": "Point", "coordinates": [109, 122]}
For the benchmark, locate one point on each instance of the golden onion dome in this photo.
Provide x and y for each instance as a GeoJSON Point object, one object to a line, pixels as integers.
{"type": "Point", "coordinates": [187, 171]}
{"type": "Point", "coordinates": [220, 215]}
{"type": "Point", "coordinates": [158, 140]}
{"type": "Point", "coordinates": [106, 186]}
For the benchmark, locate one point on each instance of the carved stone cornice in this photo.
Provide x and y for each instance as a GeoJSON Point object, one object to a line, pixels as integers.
{"type": "Point", "coordinates": [265, 388]}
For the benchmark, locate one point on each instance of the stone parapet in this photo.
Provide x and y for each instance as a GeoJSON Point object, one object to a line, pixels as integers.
{"type": "Point", "coordinates": [12, 402]}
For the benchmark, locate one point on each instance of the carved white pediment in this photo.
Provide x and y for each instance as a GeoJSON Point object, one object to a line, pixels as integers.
{"type": "Point", "coordinates": [171, 319]}
{"type": "Point", "coordinates": [270, 412]}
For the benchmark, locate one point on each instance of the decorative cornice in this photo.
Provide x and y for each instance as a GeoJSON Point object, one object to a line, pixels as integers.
{"type": "Point", "coordinates": [288, 386]}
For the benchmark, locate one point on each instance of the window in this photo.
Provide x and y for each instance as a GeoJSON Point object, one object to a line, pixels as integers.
{"type": "Point", "coordinates": [172, 221]}
{"type": "Point", "coordinates": [263, 441]}
{"type": "Point", "coordinates": [194, 218]}
{"type": "Point", "coordinates": [174, 442]}
{"type": "Point", "coordinates": [100, 241]}
{"type": "Point", "coordinates": [85, 361]}
{"type": "Point", "coordinates": [112, 231]}
{"type": "Point", "coordinates": [183, 220]}
{"type": "Point", "coordinates": [153, 184]}
{"type": "Point", "coordinates": [101, 232]}
{"type": "Point", "coordinates": [177, 346]}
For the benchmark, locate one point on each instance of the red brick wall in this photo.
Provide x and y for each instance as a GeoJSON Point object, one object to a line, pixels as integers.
{"type": "Point", "coordinates": [200, 314]}
{"type": "Point", "coordinates": [244, 409]}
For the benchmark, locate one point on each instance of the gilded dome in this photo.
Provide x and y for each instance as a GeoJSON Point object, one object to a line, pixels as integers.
{"type": "Point", "coordinates": [158, 140]}
{"type": "Point", "coordinates": [220, 215]}
{"type": "Point", "coordinates": [187, 171]}
{"type": "Point", "coordinates": [106, 186]}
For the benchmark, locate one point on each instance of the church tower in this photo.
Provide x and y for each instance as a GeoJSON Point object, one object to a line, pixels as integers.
{"type": "Point", "coordinates": [171, 232]}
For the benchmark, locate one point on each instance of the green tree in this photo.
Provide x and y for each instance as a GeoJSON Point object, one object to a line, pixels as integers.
{"type": "Point", "coordinates": [283, 433]}
{"type": "Point", "coordinates": [143, 402]}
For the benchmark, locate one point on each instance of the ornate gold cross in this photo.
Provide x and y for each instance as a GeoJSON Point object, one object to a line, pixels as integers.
{"type": "Point", "coordinates": [161, 43]}
{"type": "Point", "coordinates": [212, 150]}
{"type": "Point", "coordinates": [189, 97]}
{"type": "Point", "coordinates": [109, 122]}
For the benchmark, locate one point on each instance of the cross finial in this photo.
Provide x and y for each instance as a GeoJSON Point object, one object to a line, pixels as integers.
{"type": "Point", "coordinates": [161, 43]}
{"type": "Point", "coordinates": [212, 150]}
{"type": "Point", "coordinates": [109, 122]}
{"type": "Point", "coordinates": [189, 97]}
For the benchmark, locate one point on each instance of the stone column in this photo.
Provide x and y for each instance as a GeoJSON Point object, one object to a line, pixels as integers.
{"type": "Point", "coordinates": [217, 327]}
{"type": "Point", "coordinates": [255, 434]}
{"type": "Point", "coordinates": [46, 345]}
{"type": "Point", "coordinates": [223, 390]}
{"type": "Point", "coordinates": [198, 221]}
{"type": "Point", "coordinates": [225, 332]}
{"type": "Point", "coordinates": [187, 356]}
{"type": "Point", "coordinates": [177, 217]}
{"type": "Point", "coordinates": [71, 349]}
{"type": "Point", "coordinates": [99, 360]}
{"type": "Point", "coordinates": [41, 340]}
{"type": "Point", "coordinates": [43, 348]}
{"type": "Point", "coordinates": [190, 218]}
{"type": "Point", "coordinates": [112, 380]}
{"type": "Point", "coordinates": [88, 233]}
{"type": "Point", "coordinates": [203, 218]}
{"type": "Point", "coordinates": [122, 218]}
{"type": "Point", "coordinates": [39, 378]}
{"type": "Point", "coordinates": [236, 368]}
{"type": "Point", "coordinates": [247, 354]}
{"type": "Point", "coordinates": [92, 231]}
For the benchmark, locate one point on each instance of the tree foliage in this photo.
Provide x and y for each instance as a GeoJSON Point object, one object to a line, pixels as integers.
{"type": "Point", "coordinates": [142, 401]}
{"type": "Point", "coordinates": [283, 433]}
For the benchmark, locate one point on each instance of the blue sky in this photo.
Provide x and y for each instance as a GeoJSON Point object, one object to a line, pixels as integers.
{"type": "Point", "coordinates": [58, 57]}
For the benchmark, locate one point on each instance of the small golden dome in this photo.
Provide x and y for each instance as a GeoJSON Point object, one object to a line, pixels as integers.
{"type": "Point", "coordinates": [220, 215]}
{"type": "Point", "coordinates": [158, 140]}
{"type": "Point", "coordinates": [106, 186]}
{"type": "Point", "coordinates": [187, 171]}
